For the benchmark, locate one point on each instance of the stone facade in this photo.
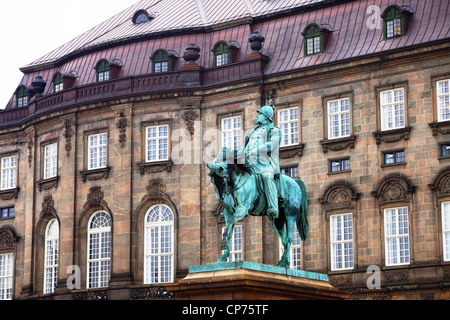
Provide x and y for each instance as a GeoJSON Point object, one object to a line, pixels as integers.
{"type": "Point", "coordinates": [128, 187]}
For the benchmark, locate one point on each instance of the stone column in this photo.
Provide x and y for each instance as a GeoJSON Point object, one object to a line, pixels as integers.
{"type": "Point", "coordinates": [122, 190]}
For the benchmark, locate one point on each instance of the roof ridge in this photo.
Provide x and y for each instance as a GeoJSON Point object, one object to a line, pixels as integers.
{"type": "Point", "coordinates": [201, 11]}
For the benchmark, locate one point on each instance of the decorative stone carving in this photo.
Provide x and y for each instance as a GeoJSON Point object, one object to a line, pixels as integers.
{"type": "Point", "coordinates": [91, 295]}
{"type": "Point", "coordinates": [391, 136]}
{"type": "Point", "coordinates": [30, 133]}
{"type": "Point", "coordinates": [151, 293]}
{"type": "Point", "coordinates": [48, 183]}
{"type": "Point", "coordinates": [441, 185]}
{"type": "Point", "coordinates": [155, 189]}
{"type": "Point", "coordinates": [9, 194]}
{"type": "Point", "coordinates": [292, 151]}
{"type": "Point", "coordinates": [96, 174]}
{"type": "Point", "coordinates": [68, 133]}
{"type": "Point", "coordinates": [256, 39]}
{"type": "Point", "coordinates": [396, 276]}
{"type": "Point", "coordinates": [338, 144]}
{"type": "Point", "coordinates": [122, 125]}
{"type": "Point", "coordinates": [154, 167]}
{"type": "Point", "coordinates": [393, 189]}
{"type": "Point", "coordinates": [6, 239]}
{"type": "Point", "coordinates": [440, 127]}
{"type": "Point", "coordinates": [189, 117]}
{"type": "Point", "coordinates": [339, 196]}
{"type": "Point", "coordinates": [95, 198]}
{"type": "Point", "coordinates": [48, 206]}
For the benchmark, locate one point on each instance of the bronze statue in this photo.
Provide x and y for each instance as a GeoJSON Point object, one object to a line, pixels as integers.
{"type": "Point", "coordinates": [248, 181]}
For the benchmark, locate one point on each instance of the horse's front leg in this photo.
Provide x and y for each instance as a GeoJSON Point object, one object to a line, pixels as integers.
{"type": "Point", "coordinates": [230, 219]}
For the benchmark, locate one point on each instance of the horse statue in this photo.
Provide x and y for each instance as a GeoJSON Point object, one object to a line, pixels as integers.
{"type": "Point", "coordinates": [240, 192]}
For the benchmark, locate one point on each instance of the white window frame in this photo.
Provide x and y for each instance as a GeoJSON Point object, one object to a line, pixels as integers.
{"type": "Point", "coordinates": [99, 149]}
{"type": "Point", "coordinates": [313, 45]}
{"type": "Point", "coordinates": [236, 244]}
{"type": "Point", "coordinates": [232, 135]}
{"type": "Point", "coordinates": [389, 118]}
{"type": "Point", "coordinates": [393, 255]}
{"type": "Point", "coordinates": [161, 153]}
{"type": "Point", "coordinates": [6, 275]}
{"type": "Point", "coordinates": [161, 66]}
{"type": "Point", "coordinates": [295, 251]}
{"type": "Point", "coordinates": [8, 173]}
{"type": "Point", "coordinates": [51, 256]}
{"type": "Point", "coordinates": [222, 59]}
{"type": "Point", "coordinates": [51, 160]}
{"type": "Point", "coordinates": [445, 213]}
{"type": "Point", "coordinates": [59, 87]}
{"type": "Point", "coordinates": [102, 275]}
{"type": "Point", "coordinates": [153, 250]}
{"type": "Point", "coordinates": [104, 76]}
{"type": "Point", "coordinates": [290, 134]}
{"type": "Point", "coordinates": [341, 118]}
{"type": "Point", "coordinates": [443, 107]}
{"type": "Point", "coordinates": [339, 242]}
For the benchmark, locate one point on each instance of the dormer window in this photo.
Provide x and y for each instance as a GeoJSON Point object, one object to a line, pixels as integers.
{"type": "Point", "coordinates": [396, 21]}
{"type": "Point", "coordinates": [63, 80]}
{"type": "Point", "coordinates": [108, 70]}
{"type": "Point", "coordinates": [142, 16]}
{"type": "Point", "coordinates": [225, 52]}
{"type": "Point", "coordinates": [22, 97]}
{"type": "Point", "coordinates": [315, 39]}
{"type": "Point", "coordinates": [103, 71]}
{"type": "Point", "coordinates": [58, 82]}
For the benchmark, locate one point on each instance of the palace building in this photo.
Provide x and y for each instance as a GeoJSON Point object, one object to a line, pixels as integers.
{"type": "Point", "coordinates": [104, 188]}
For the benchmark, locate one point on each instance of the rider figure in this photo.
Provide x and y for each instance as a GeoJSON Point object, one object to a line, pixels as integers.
{"type": "Point", "coordinates": [261, 155]}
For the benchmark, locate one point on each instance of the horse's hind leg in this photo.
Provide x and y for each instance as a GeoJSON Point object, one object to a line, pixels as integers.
{"type": "Point", "coordinates": [287, 240]}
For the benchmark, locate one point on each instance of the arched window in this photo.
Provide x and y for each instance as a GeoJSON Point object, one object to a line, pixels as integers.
{"type": "Point", "coordinates": [221, 54]}
{"type": "Point", "coordinates": [159, 245]}
{"type": "Point", "coordinates": [142, 16]}
{"type": "Point", "coordinates": [51, 256]}
{"type": "Point", "coordinates": [393, 22]}
{"type": "Point", "coordinates": [58, 82]}
{"type": "Point", "coordinates": [313, 39]}
{"type": "Point", "coordinates": [99, 250]}
{"type": "Point", "coordinates": [161, 61]}
{"type": "Point", "coordinates": [103, 69]}
{"type": "Point", "coordinates": [22, 97]}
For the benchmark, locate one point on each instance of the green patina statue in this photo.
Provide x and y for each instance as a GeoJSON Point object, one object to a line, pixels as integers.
{"type": "Point", "coordinates": [248, 181]}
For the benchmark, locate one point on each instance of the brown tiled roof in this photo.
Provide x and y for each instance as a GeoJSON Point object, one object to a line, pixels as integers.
{"type": "Point", "coordinates": [280, 21]}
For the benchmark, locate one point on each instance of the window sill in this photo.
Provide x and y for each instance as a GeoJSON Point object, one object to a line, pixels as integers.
{"type": "Point", "coordinates": [393, 165]}
{"type": "Point", "coordinates": [157, 166]}
{"type": "Point", "coordinates": [9, 194]}
{"type": "Point", "coordinates": [287, 152]}
{"type": "Point", "coordinates": [338, 172]}
{"type": "Point", "coordinates": [442, 127]}
{"type": "Point", "coordinates": [338, 144]}
{"type": "Point", "coordinates": [95, 174]}
{"type": "Point", "coordinates": [47, 184]}
{"type": "Point", "coordinates": [390, 136]}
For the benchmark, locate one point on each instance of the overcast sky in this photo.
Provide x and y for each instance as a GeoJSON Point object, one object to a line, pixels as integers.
{"type": "Point", "coordinates": [31, 28]}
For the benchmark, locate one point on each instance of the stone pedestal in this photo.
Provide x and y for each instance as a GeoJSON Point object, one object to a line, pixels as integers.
{"type": "Point", "coordinates": [252, 281]}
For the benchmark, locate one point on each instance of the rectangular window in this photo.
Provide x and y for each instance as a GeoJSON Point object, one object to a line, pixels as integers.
{"type": "Point", "coordinates": [445, 150]}
{"type": "Point", "coordinates": [59, 86]}
{"type": "Point", "coordinates": [50, 160]}
{"type": "Point", "coordinates": [7, 213]}
{"type": "Point", "coordinates": [22, 101]}
{"type": "Point", "coordinates": [8, 172]}
{"type": "Point", "coordinates": [222, 59]}
{"type": "Point", "coordinates": [394, 157]}
{"type": "Point", "coordinates": [161, 66]}
{"type": "Point", "coordinates": [231, 132]}
{"type": "Point", "coordinates": [6, 276]}
{"type": "Point", "coordinates": [103, 76]}
{"type": "Point", "coordinates": [97, 150]}
{"type": "Point", "coordinates": [393, 28]}
{"type": "Point", "coordinates": [338, 118]}
{"type": "Point", "coordinates": [288, 123]}
{"type": "Point", "coordinates": [339, 165]}
{"type": "Point", "coordinates": [445, 210]}
{"type": "Point", "coordinates": [157, 147]}
{"type": "Point", "coordinates": [396, 231]}
{"type": "Point", "coordinates": [313, 45]}
{"type": "Point", "coordinates": [392, 109]}
{"type": "Point", "coordinates": [443, 99]}
{"type": "Point", "coordinates": [341, 241]}
{"type": "Point", "coordinates": [290, 171]}
{"type": "Point", "coordinates": [235, 244]}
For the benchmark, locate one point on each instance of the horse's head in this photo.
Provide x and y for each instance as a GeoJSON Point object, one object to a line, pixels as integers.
{"type": "Point", "coordinates": [218, 175]}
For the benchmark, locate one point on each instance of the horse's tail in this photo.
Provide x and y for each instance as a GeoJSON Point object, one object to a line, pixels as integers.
{"type": "Point", "coordinates": [302, 219]}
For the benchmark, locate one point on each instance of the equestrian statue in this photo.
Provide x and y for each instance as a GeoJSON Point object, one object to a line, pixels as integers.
{"type": "Point", "coordinates": [247, 181]}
